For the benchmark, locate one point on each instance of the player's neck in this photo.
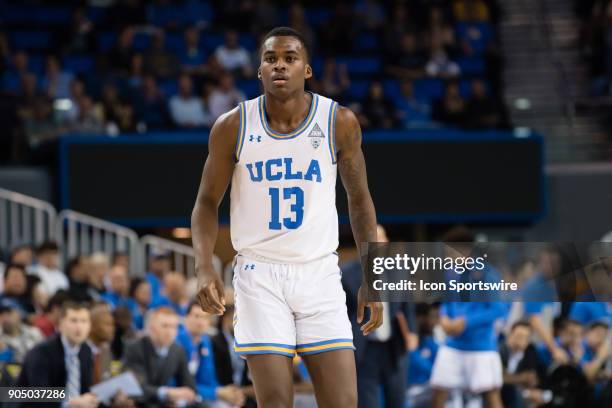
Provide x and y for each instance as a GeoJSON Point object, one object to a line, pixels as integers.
{"type": "Point", "coordinates": [284, 115]}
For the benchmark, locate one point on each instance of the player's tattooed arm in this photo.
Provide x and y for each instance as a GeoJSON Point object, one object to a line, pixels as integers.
{"type": "Point", "coordinates": [362, 215]}
{"type": "Point", "coordinates": [216, 177]}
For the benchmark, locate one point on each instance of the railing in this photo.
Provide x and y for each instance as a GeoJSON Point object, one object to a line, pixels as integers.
{"type": "Point", "coordinates": [24, 219]}
{"type": "Point", "coordinates": [81, 234]}
{"type": "Point", "coordinates": [183, 257]}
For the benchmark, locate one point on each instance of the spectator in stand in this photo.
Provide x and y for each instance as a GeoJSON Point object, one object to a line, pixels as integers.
{"type": "Point", "coordinates": [89, 121]}
{"type": "Point", "coordinates": [224, 97]}
{"type": "Point", "coordinates": [378, 109]}
{"type": "Point", "coordinates": [159, 265]}
{"type": "Point", "coordinates": [421, 357]}
{"type": "Point", "coordinates": [65, 360]}
{"type": "Point", "coordinates": [121, 258]}
{"type": "Point", "coordinates": [439, 30]}
{"type": "Point", "coordinates": [120, 56]}
{"type": "Point", "coordinates": [150, 106]}
{"type": "Point", "coordinates": [450, 110]}
{"type": "Point", "coordinates": [48, 321]}
{"type": "Point", "coordinates": [137, 71]}
{"type": "Point", "coordinates": [118, 115]}
{"type": "Point", "coordinates": [19, 337]}
{"type": "Point", "coordinates": [140, 301]}
{"type": "Point", "coordinates": [408, 62]}
{"type": "Point", "coordinates": [119, 287]}
{"type": "Point", "coordinates": [233, 57]}
{"type": "Point", "coordinates": [482, 111]}
{"type": "Point", "coordinates": [23, 255]}
{"type": "Point", "coordinates": [78, 279]}
{"type": "Point", "coordinates": [68, 111]}
{"type": "Point", "coordinates": [14, 294]}
{"type": "Point", "coordinates": [297, 21]}
{"type": "Point", "coordinates": [197, 345]}
{"type": "Point", "coordinates": [98, 266]}
{"type": "Point", "coordinates": [100, 337]}
{"type": "Point", "coordinates": [175, 291]}
{"type": "Point", "coordinates": [79, 36]}
{"type": "Point", "coordinates": [412, 111]}
{"type": "Point", "coordinates": [521, 364]}
{"type": "Point", "coordinates": [570, 341]}
{"type": "Point", "coordinates": [193, 59]}
{"type": "Point", "coordinates": [187, 110]}
{"type": "Point", "coordinates": [400, 24]}
{"type": "Point", "coordinates": [159, 349]}
{"type": "Point", "coordinates": [334, 80]}
{"type": "Point", "coordinates": [15, 71]}
{"type": "Point", "coordinates": [47, 268]}
{"type": "Point", "coordinates": [591, 312]}
{"type": "Point", "coordinates": [56, 82]}
{"type": "Point", "coordinates": [597, 353]}
{"type": "Point", "coordinates": [41, 127]}
{"type": "Point", "coordinates": [124, 330]}
{"type": "Point", "coordinates": [160, 61]}
{"type": "Point", "coordinates": [439, 64]}
{"type": "Point", "coordinates": [370, 14]}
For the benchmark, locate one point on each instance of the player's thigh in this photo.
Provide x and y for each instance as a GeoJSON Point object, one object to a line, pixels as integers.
{"type": "Point", "coordinates": [263, 322]}
{"type": "Point", "coordinates": [334, 378]}
{"type": "Point", "coordinates": [484, 371]}
{"type": "Point", "coordinates": [272, 377]}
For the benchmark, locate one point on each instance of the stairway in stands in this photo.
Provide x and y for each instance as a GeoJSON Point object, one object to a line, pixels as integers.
{"type": "Point", "coordinates": [544, 77]}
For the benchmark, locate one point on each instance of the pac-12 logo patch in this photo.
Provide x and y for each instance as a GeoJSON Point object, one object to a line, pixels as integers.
{"type": "Point", "coordinates": [315, 136]}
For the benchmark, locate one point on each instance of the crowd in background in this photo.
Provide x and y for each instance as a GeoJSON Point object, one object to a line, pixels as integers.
{"type": "Point", "coordinates": [131, 66]}
{"type": "Point", "coordinates": [548, 349]}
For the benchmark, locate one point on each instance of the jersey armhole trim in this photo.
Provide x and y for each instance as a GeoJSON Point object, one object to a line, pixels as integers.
{"type": "Point", "coordinates": [241, 131]}
{"type": "Point", "coordinates": [331, 131]}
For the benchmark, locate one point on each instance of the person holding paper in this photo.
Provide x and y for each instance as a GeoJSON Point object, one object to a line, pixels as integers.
{"type": "Point", "coordinates": [160, 364]}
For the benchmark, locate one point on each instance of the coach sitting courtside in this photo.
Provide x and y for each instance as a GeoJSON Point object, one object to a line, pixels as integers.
{"type": "Point", "coordinates": [65, 360]}
{"type": "Point", "coordinates": [160, 364]}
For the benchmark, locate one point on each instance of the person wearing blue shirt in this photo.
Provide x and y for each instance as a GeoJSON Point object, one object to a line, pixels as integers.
{"type": "Point", "coordinates": [159, 265]}
{"type": "Point", "coordinates": [591, 312]}
{"type": "Point", "coordinates": [198, 348]}
{"type": "Point", "coordinates": [470, 359]}
{"type": "Point", "coordinates": [118, 293]}
{"type": "Point", "coordinates": [139, 301]}
{"type": "Point", "coordinates": [570, 341]}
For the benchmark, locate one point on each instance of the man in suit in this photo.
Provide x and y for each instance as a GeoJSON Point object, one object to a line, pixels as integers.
{"type": "Point", "coordinates": [65, 360]}
{"type": "Point", "coordinates": [100, 338]}
{"type": "Point", "coordinates": [160, 363]}
{"type": "Point", "coordinates": [380, 356]}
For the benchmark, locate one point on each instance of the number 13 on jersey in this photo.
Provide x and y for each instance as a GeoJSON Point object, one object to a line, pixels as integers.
{"type": "Point", "coordinates": [296, 194]}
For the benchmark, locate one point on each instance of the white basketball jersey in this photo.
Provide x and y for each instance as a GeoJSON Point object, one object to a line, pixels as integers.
{"type": "Point", "coordinates": [283, 194]}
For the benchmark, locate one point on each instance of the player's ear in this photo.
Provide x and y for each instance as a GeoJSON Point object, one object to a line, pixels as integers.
{"type": "Point", "coordinates": [259, 74]}
{"type": "Point", "coordinates": [308, 73]}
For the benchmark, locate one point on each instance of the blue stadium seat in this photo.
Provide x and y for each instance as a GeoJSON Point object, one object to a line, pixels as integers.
{"type": "Point", "coordinates": [96, 14]}
{"type": "Point", "coordinates": [428, 89]}
{"type": "Point", "coordinates": [477, 34]}
{"type": "Point", "coordinates": [465, 88]}
{"type": "Point", "coordinates": [210, 41]}
{"type": "Point", "coordinates": [247, 40]}
{"type": "Point", "coordinates": [47, 15]}
{"type": "Point", "coordinates": [366, 42]}
{"type": "Point", "coordinates": [106, 40]}
{"type": "Point", "coordinates": [317, 16]}
{"type": "Point", "coordinates": [175, 43]}
{"type": "Point", "coordinates": [169, 87]}
{"type": "Point", "coordinates": [31, 40]}
{"type": "Point", "coordinates": [392, 89]}
{"type": "Point", "coordinates": [78, 64]}
{"type": "Point", "coordinates": [365, 66]}
{"type": "Point", "coordinates": [142, 41]}
{"type": "Point", "coordinates": [472, 66]}
{"type": "Point", "coordinates": [36, 63]}
{"type": "Point", "coordinates": [250, 87]}
{"type": "Point", "coordinates": [358, 89]}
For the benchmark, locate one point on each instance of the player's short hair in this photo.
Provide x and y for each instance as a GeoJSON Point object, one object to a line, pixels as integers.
{"type": "Point", "coordinates": [163, 310]}
{"type": "Point", "coordinates": [47, 246]}
{"type": "Point", "coordinates": [286, 32]}
{"type": "Point", "coordinates": [14, 266]}
{"type": "Point", "coordinates": [598, 324]}
{"type": "Point", "coordinates": [520, 323]}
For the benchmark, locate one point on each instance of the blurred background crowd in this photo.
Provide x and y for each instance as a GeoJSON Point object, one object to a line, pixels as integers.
{"type": "Point", "coordinates": [551, 351]}
{"type": "Point", "coordinates": [131, 66]}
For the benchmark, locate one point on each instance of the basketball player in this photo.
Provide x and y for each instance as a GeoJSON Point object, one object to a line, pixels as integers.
{"type": "Point", "coordinates": [281, 151]}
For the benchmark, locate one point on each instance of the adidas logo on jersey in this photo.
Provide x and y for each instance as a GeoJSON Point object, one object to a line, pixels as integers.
{"type": "Point", "coordinates": [315, 136]}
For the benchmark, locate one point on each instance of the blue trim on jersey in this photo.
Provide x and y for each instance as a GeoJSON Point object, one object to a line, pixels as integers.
{"type": "Point", "coordinates": [320, 343]}
{"type": "Point", "coordinates": [291, 346]}
{"type": "Point", "coordinates": [241, 131]}
{"type": "Point", "coordinates": [331, 131]}
{"type": "Point", "coordinates": [303, 126]}
{"type": "Point", "coordinates": [308, 353]}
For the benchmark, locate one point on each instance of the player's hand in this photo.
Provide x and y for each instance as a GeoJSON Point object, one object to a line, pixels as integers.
{"type": "Point", "coordinates": [87, 400]}
{"type": "Point", "coordinates": [559, 355]}
{"type": "Point", "coordinates": [232, 395]}
{"type": "Point", "coordinates": [211, 295]}
{"type": "Point", "coordinates": [376, 312]}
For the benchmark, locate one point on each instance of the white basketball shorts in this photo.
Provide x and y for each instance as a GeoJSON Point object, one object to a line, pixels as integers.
{"type": "Point", "coordinates": [474, 371]}
{"type": "Point", "coordinates": [288, 308]}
